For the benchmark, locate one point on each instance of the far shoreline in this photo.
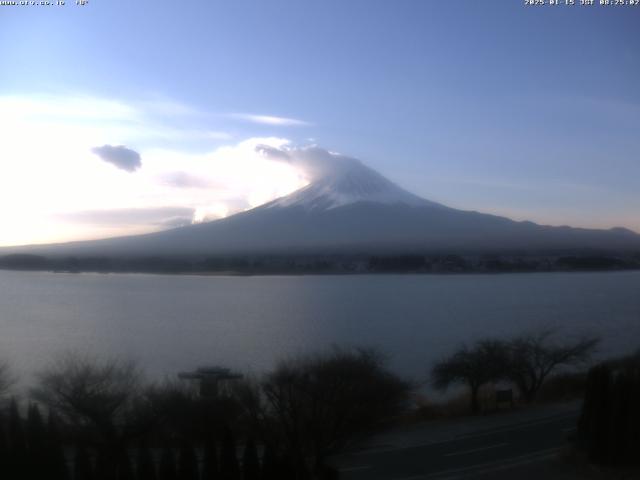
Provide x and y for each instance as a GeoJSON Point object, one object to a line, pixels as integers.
{"type": "Point", "coordinates": [240, 274]}
{"type": "Point", "coordinates": [298, 264]}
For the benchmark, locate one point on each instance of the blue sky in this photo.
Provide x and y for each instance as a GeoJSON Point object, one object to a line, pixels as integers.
{"type": "Point", "coordinates": [530, 112]}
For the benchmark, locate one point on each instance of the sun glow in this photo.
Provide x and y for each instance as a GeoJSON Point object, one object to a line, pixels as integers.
{"type": "Point", "coordinates": [51, 181]}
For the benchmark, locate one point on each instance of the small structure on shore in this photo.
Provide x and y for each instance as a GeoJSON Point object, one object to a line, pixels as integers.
{"type": "Point", "coordinates": [211, 379]}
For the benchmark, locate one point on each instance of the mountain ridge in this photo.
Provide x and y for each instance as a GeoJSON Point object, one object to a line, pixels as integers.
{"type": "Point", "coordinates": [349, 208]}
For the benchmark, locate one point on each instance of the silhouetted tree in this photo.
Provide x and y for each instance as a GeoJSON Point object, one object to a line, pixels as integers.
{"type": "Point", "coordinates": [320, 403]}
{"type": "Point", "coordinates": [82, 466]}
{"type": "Point", "coordinates": [55, 454]}
{"type": "Point", "coordinates": [250, 461]}
{"type": "Point", "coordinates": [89, 391]}
{"type": "Point", "coordinates": [290, 468]}
{"type": "Point", "coordinates": [474, 366]}
{"type": "Point", "coordinates": [250, 399]}
{"type": "Point", "coordinates": [36, 431]}
{"type": "Point", "coordinates": [145, 464]}
{"type": "Point", "coordinates": [18, 465]}
{"type": "Point", "coordinates": [95, 395]}
{"type": "Point", "coordinates": [622, 428]}
{"type": "Point", "coordinates": [609, 425]}
{"type": "Point", "coordinates": [187, 463]}
{"type": "Point", "coordinates": [125, 469]}
{"type": "Point", "coordinates": [229, 468]}
{"type": "Point", "coordinates": [167, 469]}
{"type": "Point", "coordinates": [176, 405]}
{"type": "Point", "coordinates": [270, 469]}
{"type": "Point", "coordinates": [534, 356]}
{"type": "Point", "coordinates": [210, 469]}
{"type": "Point", "coordinates": [107, 464]}
{"type": "Point", "coordinates": [4, 446]}
{"type": "Point", "coordinates": [182, 411]}
{"type": "Point", "coordinates": [37, 443]}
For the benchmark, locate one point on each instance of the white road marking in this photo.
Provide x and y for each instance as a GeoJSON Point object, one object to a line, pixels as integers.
{"type": "Point", "coordinates": [465, 452]}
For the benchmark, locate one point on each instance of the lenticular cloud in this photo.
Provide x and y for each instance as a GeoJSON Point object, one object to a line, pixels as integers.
{"type": "Point", "coordinates": [314, 162]}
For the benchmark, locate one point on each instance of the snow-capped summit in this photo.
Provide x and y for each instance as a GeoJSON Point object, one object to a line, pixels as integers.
{"type": "Point", "coordinates": [352, 183]}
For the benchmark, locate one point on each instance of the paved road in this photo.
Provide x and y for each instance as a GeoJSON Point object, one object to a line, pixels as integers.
{"type": "Point", "coordinates": [477, 452]}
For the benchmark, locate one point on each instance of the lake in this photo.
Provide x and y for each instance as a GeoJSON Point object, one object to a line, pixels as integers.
{"type": "Point", "coordinates": [171, 323]}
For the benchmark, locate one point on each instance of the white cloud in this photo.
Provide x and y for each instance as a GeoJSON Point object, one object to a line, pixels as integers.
{"type": "Point", "coordinates": [129, 216]}
{"type": "Point", "coordinates": [270, 120]}
{"type": "Point", "coordinates": [48, 172]}
{"type": "Point", "coordinates": [312, 162]}
{"type": "Point", "coordinates": [182, 179]}
{"type": "Point", "coordinates": [66, 108]}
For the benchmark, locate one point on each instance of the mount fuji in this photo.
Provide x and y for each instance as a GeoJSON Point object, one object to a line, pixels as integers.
{"type": "Point", "coordinates": [350, 208]}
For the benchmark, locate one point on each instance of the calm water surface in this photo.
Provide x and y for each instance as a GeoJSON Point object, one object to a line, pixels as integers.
{"type": "Point", "coordinates": [170, 323]}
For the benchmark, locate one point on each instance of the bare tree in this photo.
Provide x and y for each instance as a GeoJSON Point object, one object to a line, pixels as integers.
{"type": "Point", "coordinates": [253, 414]}
{"type": "Point", "coordinates": [177, 408]}
{"type": "Point", "coordinates": [534, 356]}
{"type": "Point", "coordinates": [90, 392]}
{"type": "Point", "coordinates": [474, 366]}
{"type": "Point", "coordinates": [322, 402]}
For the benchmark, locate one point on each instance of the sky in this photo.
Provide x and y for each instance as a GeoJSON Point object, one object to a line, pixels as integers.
{"type": "Point", "coordinates": [120, 117]}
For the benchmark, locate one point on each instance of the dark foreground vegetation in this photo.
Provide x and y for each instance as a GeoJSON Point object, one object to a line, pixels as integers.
{"type": "Point", "coordinates": [609, 427]}
{"type": "Point", "coordinates": [91, 419]}
{"type": "Point", "coordinates": [103, 422]}
{"type": "Point", "coordinates": [337, 264]}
